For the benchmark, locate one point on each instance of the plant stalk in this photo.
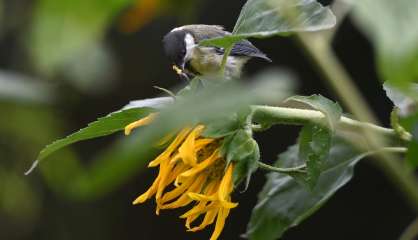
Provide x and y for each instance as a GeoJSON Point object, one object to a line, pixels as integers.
{"type": "Point", "coordinates": [293, 116]}
{"type": "Point", "coordinates": [225, 60]}
{"type": "Point", "coordinates": [334, 73]}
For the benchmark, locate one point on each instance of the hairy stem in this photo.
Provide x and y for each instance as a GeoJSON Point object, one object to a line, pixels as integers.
{"type": "Point", "coordinates": [293, 116]}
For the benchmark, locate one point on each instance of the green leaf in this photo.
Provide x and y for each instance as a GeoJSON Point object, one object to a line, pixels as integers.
{"type": "Point", "coordinates": [102, 127]}
{"type": "Point", "coordinates": [315, 139]}
{"type": "Point", "coordinates": [391, 27]}
{"type": "Point", "coordinates": [314, 147]}
{"type": "Point", "coordinates": [267, 18]}
{"type": "Point", "coordinates": [156, 103]}
{"type": "Point", "coordinates": [222, 127]}
{"type": "Point", "coordinates": [330, 109]}
{"type": "Point", "coordinates": [284, 203]}
{"type": "Point", "coordinates": [119, 162]}
{"type": "Point", "coordinates": [227, 125]}
{"type": "Point", "coordinates": [410, 123]}
{"type": "Point", "coordinates": [412, 155]}
{"type": "Point", "coordinates": [185, 111]}
{"type": "Point", "coordinates": [243, 150]}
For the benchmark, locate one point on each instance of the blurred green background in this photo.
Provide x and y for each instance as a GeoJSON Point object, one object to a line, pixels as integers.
{"type": "Point", "coordinates": [64, 63]}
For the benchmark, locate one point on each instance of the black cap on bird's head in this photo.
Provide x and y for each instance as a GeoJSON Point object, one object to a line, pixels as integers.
{"type": "Point", "coordinates": [175, 47]}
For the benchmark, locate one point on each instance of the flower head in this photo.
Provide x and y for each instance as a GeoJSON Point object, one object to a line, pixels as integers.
{"type": "Point", "coordinates": [192, 171]}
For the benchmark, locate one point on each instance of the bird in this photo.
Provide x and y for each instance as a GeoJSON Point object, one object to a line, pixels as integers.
{"type": "Point", "coordinates": [189, 59]}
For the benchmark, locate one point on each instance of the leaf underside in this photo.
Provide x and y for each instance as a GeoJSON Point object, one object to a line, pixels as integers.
{"type": "Point", "coordinates": [284, 203]}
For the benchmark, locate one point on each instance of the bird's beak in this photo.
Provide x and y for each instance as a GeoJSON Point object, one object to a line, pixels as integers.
{"type": "Point", "coordinates": [178, 70]}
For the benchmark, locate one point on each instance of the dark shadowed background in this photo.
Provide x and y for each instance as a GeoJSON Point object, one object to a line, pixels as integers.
{"type": "Point", "coordinates": [126, 66]}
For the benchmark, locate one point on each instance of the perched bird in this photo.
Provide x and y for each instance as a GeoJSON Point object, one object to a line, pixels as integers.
{"type": "Point", "coordinates": [181, 46]}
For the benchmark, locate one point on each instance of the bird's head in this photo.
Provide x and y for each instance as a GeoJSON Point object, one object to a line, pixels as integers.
{"type": "Point", "coordinates": [177, 46]}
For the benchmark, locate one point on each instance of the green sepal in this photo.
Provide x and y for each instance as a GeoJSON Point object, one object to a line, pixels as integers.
{"type": "Point", "coordinates": [243, 151]}
{"type": "Point", "coordinates": [222, 127]}
{"type": "Point", "coordinates": [227, 125]}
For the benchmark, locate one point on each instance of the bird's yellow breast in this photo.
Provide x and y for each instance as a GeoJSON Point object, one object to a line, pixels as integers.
{"type": "Point", "coordinates": [207, 61]}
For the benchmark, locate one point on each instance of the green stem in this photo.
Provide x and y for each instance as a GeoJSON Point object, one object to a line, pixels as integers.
{"type": "Point", "coordinates": [224, 60]}
{"type": "Point", "coordinates": [340, 10]}
{"type": "Point", "coordinates": [298, 169]}
{"type": "Point", "coordinates": [293, 116]}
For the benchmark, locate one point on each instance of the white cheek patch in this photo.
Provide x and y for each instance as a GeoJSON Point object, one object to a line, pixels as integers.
{"type": "Point", "coordinates": [190, 44]}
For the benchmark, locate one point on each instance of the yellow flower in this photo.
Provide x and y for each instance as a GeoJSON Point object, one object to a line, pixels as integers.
{"type": "Point", "coordinates": [192, 172]}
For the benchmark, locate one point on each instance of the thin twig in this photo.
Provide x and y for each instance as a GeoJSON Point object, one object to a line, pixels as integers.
{"type": "Point", "coordinates": [298, 169]}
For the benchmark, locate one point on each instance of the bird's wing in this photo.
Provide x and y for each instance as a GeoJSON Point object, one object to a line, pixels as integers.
{"type": "Point", "coordinates": [203, 34]}
{"type": "Point", "coordinates": [241, 48]}
{"type": "Point", "coordinates": [245, 48]}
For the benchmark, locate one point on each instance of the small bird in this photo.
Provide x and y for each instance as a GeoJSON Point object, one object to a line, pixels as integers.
{"type": "Point", "coordinates": [181, 46]}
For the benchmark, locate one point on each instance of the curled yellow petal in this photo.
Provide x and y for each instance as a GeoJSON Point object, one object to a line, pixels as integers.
{"type": "Point", "coordinates": [220, 223]}
{"type": "Point", "coordinates": [194, 165]}
{"type": "Point", "coordinates": [170, 149]}
{"type": "Point", "coordinates": [187, 150]}
{"type": "Point", "coordinates": [207, 220]}
{"type": "Point", "coordinates": [226, 187]}
{"type": "Point", "coordinates": [177, 191]}
{"type": "Point", "coordinates": [184, 199]}
{"type": "Point", "coordinates": [151, 191]}
{"type": "Point", "coordinates": [165, 170]}
{"type": "Point", "coordinates": [201, 197]}
{"type": "Point", "coordinates": [141, 122]}
{"type": "Point", "coordinates": [201, 166]}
